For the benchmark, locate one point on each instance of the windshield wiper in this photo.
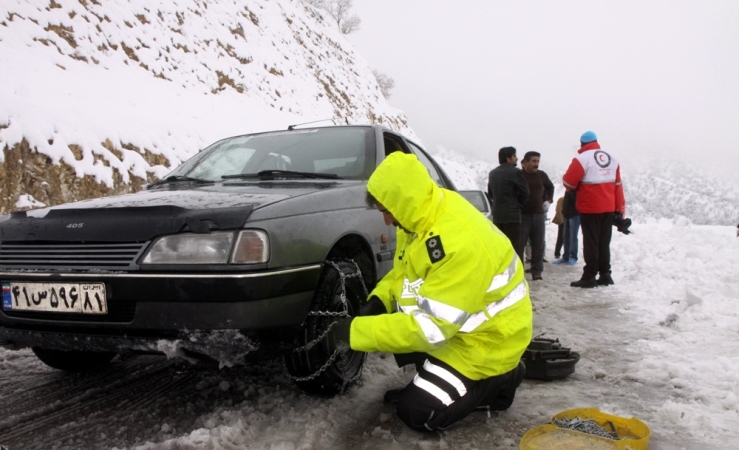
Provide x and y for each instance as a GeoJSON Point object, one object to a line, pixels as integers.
{"type": "Point", "coordinates": [274, 173]}
{"type": "Point", "coordinates": [176, 178]}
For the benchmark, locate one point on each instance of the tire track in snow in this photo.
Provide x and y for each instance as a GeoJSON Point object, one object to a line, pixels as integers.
{"type": "Point", "coordinates": [97, 394]}
{"type": "Point", "coordinates": [33, 391]}
{"type": "Point", "coordinates": [144, 399]}
{"type": "Point", "coordinates": [56, 386]}
{"type": "Point", "coordinates": [96, 417]}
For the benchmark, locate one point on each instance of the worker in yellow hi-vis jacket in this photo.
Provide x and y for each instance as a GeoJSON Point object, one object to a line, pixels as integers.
{"type": "Point", "coordinates": [455, 303]}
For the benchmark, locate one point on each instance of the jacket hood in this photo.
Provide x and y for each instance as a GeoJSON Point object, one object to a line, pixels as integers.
{"type": "Point", "coordinates": [403, 185]}
{"type": "Point", "coordinates": [589, 146]}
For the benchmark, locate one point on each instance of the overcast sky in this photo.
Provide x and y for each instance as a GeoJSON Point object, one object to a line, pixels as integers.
{"type": "Point", "coordinates": [649, 77]}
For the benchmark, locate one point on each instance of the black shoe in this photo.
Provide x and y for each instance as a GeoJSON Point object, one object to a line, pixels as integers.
{"type": "Point", "coordinates": [605, 280]}
{"type": "Point", "coordinates": [544, 260]}
{"type": "Point", "coordinates": [585, 283]}
{"type": "Point", "coordinates": [527, 270]}
{"type": "Point", "coordinates": [508, 392]}
{"type": "Point", "coordinates": [536, 277]}
{"type": "Point", "coordinates": [520, 373]}
{"type": "Point", "coordinates": [393, 395]}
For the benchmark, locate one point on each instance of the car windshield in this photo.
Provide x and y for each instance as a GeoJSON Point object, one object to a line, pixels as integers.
{"type": "Point", "coordinates": [345, 152]}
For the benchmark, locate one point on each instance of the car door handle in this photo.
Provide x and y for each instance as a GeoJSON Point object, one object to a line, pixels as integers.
{"type": "Point", "coordinates": [384, 256]}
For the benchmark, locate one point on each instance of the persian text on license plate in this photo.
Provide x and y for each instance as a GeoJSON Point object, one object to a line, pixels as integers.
{"type": "Point", "coordinates": [85, 298]}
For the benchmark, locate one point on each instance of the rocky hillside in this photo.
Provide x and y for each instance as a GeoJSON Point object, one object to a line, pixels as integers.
{"type": "Point", "coordinates": [100, 97]}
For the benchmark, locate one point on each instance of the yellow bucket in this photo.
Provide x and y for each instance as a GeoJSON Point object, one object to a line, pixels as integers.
{"type": "Point", "coordinates": [633, 432]}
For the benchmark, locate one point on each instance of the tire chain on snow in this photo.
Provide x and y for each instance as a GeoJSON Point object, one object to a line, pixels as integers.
{"type": "Point", "coordinates": [345, 313]}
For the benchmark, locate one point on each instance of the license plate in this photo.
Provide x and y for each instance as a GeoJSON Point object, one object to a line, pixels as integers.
{"type": "Point", "coordinates": [81, 298]}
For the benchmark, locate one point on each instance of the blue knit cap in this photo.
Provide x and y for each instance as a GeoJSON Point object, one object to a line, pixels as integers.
{"type": "Point", "coordinates": [588, 136]}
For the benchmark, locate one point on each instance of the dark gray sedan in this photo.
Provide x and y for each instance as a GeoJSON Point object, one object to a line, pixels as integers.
{"type": "Point", "coordinates": [251, 249]}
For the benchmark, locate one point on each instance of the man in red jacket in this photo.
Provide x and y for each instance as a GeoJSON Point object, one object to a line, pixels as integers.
{"type": "Point", "coordinates": [596, 176]}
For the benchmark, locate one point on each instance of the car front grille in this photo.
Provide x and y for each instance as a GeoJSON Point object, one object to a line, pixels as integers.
{"type": "Point", "coordinates": [74, 256]}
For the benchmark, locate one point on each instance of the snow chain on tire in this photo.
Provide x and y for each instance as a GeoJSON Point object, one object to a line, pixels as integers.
{"type": "Point", "coordinates": [339, 352]}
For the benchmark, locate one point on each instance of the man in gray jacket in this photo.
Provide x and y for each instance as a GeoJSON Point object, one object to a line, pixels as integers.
{"type": "Point", "coordinates": [508, 190]}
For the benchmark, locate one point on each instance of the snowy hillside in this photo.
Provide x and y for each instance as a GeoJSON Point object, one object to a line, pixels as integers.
{"type": "Point", "coordinates": [466, 171]}
{"type": "Point", "coordinates": [104, 97]}
{"type": "Point", "coordinates": [679, 191]}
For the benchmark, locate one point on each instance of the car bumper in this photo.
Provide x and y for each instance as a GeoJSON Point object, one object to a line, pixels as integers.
{"type": "Point", "coordinates": [226, 346]}
{"type": "Point", "coordinates": [161, 304]}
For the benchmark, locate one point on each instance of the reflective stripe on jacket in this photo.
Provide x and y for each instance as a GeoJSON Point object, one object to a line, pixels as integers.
{"type": "Point", "coordinates": [457, 286]}
{"type": "Point", "coordinates": [596, 175]}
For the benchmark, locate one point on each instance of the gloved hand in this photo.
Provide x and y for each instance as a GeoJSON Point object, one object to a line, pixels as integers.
{"type": "Point", "coordinates": [338, 336]}
{"type": "Point", "coordinates": [373, 307]}
{"type": "Point", "coordinates": [622, 224]}
{"type": "Point", "coordinates": [545, 206]}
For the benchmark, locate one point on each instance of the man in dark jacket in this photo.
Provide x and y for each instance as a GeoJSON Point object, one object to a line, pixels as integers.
{"type": "Point", "coordinates": [534, 210]}
{"type": "Point", "coordinates": [508, 191]}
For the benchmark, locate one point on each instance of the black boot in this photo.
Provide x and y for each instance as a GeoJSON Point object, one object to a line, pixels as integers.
{"type": "Point", "coordinates": [393, 395]}
{"type": "Point", "coordinates": [605, 280]}
{"type": "Point", "coordinates": [508, 392]}
{"type": "Point", "coordinates": [585, 283]}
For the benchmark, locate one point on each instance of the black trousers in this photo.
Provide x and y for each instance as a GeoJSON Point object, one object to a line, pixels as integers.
{"type": "Point", "coordinates": [560, 240]}
{"type": "Point", "coordinates": [597, 230]}
{"type": "Point", "coordinates": [513, 232]}
{"type": "Point", "coordinates": [439, 396]}
{"type": "Point", "coordinates": [533, 229]}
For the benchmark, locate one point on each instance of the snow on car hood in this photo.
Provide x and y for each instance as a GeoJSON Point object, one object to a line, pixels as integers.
{"type": "Point", "coordinates": [144, 215]}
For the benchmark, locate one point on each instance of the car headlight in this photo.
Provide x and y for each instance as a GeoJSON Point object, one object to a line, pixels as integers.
{"type": "Point", "coordinates": [211, 248]}
{"type": "Point", "coordinates": [251, 247]}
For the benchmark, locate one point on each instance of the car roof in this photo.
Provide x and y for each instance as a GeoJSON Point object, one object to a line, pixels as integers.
{"type": "Point", "coordinates": [291, 129]}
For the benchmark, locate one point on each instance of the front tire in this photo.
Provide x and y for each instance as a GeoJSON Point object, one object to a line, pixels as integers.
{"type": "Point", "coordinates": [315, 365]}
{"type": "Point", "coordinates": [74, 360]}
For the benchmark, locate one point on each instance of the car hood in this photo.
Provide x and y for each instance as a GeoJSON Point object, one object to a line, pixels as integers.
{"type": "Point", "coordinates": [147, 214]}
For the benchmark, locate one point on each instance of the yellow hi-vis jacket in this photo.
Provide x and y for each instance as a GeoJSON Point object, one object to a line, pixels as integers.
{"type": "Point", "coordinates": [456, 289]}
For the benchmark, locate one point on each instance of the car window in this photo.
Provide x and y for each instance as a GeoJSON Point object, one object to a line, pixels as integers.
{"type": "Point", "coordinates": [393, 144]}
{"type": "Point", "coordinates": [426, 161]}
{"type": "Point", "coordinates": [477, 198]}
{"type": "Point", "coordinates": [346, 151]}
